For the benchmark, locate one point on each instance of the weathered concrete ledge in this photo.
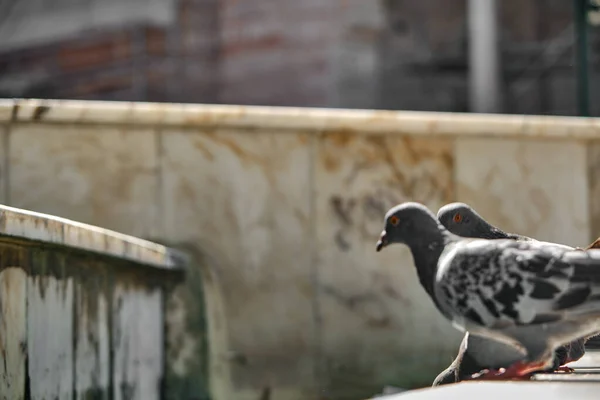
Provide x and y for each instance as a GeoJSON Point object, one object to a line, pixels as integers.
{"type": "Point", "coordinates": [33, 226]}
{"type": "Point", "coordinates": [306, 119]}
{"type": "Point", "coordinates": [583, 384]}
{"type": "Point", "coordinates": [81, 309]}
{"type": "Point", "coordinates": [503, 390]}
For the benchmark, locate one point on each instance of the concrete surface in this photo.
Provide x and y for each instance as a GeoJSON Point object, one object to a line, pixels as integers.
{"type": "Point", "coordinates": [583, 384]}
{"type": "Point", "coordinates": [504, 390]}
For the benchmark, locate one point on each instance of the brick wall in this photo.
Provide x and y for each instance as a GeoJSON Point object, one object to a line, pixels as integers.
{"type": "Point", "coordinates": [100, 66]}
{"type": "Point", "coordinates": [341, 53]}
{"type": "Point", "coordinates": [277, 52]}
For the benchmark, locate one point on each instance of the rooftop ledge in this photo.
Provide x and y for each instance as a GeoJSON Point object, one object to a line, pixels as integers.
{"type": "Point", "coordinates": [32, 226]}
{"type": "Point", "coordinates": [294, 119]}
{"type": "Point", "coordinates": [503, 390]}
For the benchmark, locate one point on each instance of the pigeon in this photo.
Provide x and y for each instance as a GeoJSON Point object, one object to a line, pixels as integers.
{"type": "Point", "coordinates": [527, 294]}
{"type": "Point", "coordinates": [463, 220]}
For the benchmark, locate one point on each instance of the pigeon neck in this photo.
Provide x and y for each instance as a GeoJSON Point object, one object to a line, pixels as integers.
{"type": "Point", "coordinates": [491, 232]}
{"type": "Point", "coordinates": [426, 256]}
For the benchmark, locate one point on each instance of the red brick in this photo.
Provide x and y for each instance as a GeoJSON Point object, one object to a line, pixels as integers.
{"type": "Point", "coordinates": [196, 43]}
{"type": "Point", "coordinates": [96, 53]}
{"type": "Point", "coordinates": [268, 42]}
{"type": "Point", "coordinates": [156, 41]}
{"type": "Point", "coordinates": [101, 85]}
{"type": "Point", "coordinates": [200, 15]}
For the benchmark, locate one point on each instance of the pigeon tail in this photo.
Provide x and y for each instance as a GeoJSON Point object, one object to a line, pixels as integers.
{"type": "Point", "coordinates": [581, 297]}
{"type": "Point", "coordinates": [586, 266]}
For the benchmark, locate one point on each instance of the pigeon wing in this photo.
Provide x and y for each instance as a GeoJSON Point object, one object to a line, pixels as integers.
{"type": "Point", "coordinates": [500, 283]}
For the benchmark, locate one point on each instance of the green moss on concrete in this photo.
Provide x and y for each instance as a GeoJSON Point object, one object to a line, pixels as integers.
{"type": "Point", "coordinates": [187, 296]}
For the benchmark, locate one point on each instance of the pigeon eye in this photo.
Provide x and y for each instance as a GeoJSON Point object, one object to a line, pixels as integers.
{"type": "Point", "coordinates": [394, 220]}
{"type": "Point", "coordinates": [457, 218]}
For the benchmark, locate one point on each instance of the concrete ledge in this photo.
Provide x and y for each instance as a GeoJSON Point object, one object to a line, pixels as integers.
{"type": "Point", "coordinates": [306, 119]}
{"type": "Point", "coordinates": [38, 227]}
{"type": "Point", "coordinates": [504, 390]}
{"type": "Point", "coordinates": [583, 384]}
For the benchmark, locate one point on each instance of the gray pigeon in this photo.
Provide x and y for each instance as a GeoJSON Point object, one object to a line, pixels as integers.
{"type": "Point", "coordinates": [527, 294]}
{"type": "Point", "coordinates": [463, 220]}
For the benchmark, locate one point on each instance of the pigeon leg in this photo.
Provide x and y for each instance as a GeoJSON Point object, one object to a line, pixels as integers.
{"type": "Point", "coordinates": [576, 350]}
{"type": "Point", "coordinates": [594, 245]}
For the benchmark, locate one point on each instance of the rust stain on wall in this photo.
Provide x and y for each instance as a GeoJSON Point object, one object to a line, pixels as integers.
{"type": "Point", "coordinates": [199, 144]}
{"type": "Point", "coordinates": [330, 162]}
{"type": "Point", "coordinates": [339, 139]}
{"type": "Point", "coordinates": [234, 146]}
{"type": "Point", "coordinates": [379, 171]}
{"type": "Point", "coordinates": [342, 137]}
{"type": "Point", "coordinates": [303, 137]}
{"type": "Point", "coordinates": [39, 112]}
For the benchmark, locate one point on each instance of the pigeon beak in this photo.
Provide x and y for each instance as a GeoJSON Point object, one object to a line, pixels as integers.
{"type": "Point", "coordinates": [382, 242]}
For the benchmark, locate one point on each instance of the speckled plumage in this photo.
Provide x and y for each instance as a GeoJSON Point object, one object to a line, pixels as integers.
{"type": "Point", "coordinates": [461, 219]}
{"type": "Point", "coordinates": [523, 293]}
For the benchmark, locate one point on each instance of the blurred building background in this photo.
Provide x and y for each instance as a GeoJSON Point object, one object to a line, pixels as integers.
{"type": "Point", "coordinates": [390, 54]}
{"type": "Point", "coordinates": [285, 297]}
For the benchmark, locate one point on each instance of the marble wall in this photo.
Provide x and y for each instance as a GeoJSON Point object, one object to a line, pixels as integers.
{"type": "Point", "coordinates": [537, 188]}
{"type": "Point", "coordinates": [282, 209]}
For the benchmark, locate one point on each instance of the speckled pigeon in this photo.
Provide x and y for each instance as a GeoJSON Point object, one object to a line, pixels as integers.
{"type": "Point", "coordinates": [477, 353]}
{"type": "Point", "coordinates": [527, 294]}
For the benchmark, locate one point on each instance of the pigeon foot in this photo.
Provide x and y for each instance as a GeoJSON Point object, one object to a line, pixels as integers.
{"type": "Point", "coordinates": [519, 370]}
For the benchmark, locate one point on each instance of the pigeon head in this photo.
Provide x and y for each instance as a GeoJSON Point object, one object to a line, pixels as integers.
{"type": "Point", "coordinates": [409, 223]}
{"type": "Point", "coordinates": [459, 219]}
{"type": "Point", "coordinates": [462, 220]}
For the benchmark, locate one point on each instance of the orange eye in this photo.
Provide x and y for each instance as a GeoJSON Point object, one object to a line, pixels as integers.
{"type": "Point", "coordinates": [394, 220]}
{"type": "Point", "coordinates": [457, 218]}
